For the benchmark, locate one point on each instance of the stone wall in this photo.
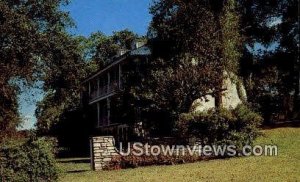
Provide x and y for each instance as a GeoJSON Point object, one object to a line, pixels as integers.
{"type": "Point", "coordinates": [102, 151]}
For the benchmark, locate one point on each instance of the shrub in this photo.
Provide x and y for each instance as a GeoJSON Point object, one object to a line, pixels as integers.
{"type": "Point", "coordinates": [27, 161]}
{"type": "Point", "coordinates": [237, 126]}
{"type": "Point", "coordinates": [133, 161]}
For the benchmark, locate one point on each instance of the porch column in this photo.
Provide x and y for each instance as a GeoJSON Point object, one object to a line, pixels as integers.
{"type": "Point", "coordinates": [98, 86]}
{"type": "Point", "coordinates": [108, 111]}
{"type": "Point", "coordinates": [120, 74]}
{"type": "Point", "coordinates": [89, 89]}
{"type": "Point", "coordinates": [108, 82]}
{"type": "Point", "coordinates": [98, 114]}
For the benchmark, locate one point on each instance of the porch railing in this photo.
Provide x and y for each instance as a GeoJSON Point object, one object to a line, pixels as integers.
{"type": "Point", "coordinates": [105, 90]}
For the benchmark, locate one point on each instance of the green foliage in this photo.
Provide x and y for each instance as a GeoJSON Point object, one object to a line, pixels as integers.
{"type": "Point", "coordinates": [225, 127]}
{"type": "Point", "coordinates": [32, 160]}
{"type": "Point", "coordinates": [9, 118]}
{"type": "Point", "coordinates": [62, 81]}
{"type": "Point", "coordinates": [272, 75]}
{"type": "Point", "coordinates": [98, 48]}
{"type": "Point", "coordinates": [231, 37]}
{"type": "Point", "coordinates": [189, 65]}
{"type": "Point", "coordinates": [272, 89]}
{"type": "Point", "coordinates": [203, 40]}
{"type": "Point", "coordinates": [124, 38]}
{"type": "Point", "coordinates": [174, 89]}
{"type": "Point", "coordinates": [27, 31]}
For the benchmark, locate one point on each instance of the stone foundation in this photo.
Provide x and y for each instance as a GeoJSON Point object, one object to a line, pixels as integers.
{"type": "Point", "coordinates": [102, 151]}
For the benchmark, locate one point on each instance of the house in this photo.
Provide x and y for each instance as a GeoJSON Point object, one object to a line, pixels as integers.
{"type": "Point", "coordinates": [103, 88]}
{"type": "Point", "coordinates": [106, 84]}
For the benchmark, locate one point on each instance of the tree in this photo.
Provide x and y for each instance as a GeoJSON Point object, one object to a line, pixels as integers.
{"type": "Point", "coordinates": [272, 76]}
{"type": "Point", "coordinates": [124, 38]}
{"type": "Point", "coordinates": [189, 31]}
{"type": "Point", "coordinates": [62, 76]}
{"type": "Point", "coordinates": [98, 48]}
{"type": "Point", "coordinates": [26, 29]}
{"type": "Point", "coordinates": [204, 41]}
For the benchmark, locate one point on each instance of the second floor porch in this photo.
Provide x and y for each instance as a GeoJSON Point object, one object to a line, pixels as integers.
{"type": "Point", "coordinates": [106, 84]}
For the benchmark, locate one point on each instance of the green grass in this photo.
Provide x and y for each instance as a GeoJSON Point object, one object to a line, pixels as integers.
{"type": "Point", "coordinates": [284, 167]}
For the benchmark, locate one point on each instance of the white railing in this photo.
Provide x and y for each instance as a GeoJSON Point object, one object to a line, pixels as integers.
{"type": "Point", "coordinates": [105, 90]}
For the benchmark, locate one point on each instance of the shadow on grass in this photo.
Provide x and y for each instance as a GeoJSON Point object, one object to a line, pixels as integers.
{"type": "Point", "coordinates": [292, 124]}
{"type": "Point", "coordinates": [87, 160]}
{"type": "Point", "coordinates": [77, 171]}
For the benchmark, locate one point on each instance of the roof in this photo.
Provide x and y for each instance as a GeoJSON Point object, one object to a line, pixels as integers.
{"type": "Point", "coordinates": [141, 51]}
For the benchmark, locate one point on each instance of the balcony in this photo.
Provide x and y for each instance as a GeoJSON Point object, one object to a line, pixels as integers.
{"type": "Point", "coordinates": [105, 91]}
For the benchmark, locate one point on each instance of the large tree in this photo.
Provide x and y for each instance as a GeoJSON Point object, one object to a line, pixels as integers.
{"type": "Point", "coordinates": [203, 41]}
{"type": "Point", "coordinates": [27, 29]}
{"type": "Point", "coordinates": [62, 76]}
{"type": "Point", "coordinates": [272, 75]}
{"type": "Point", "coordinates": [233, 28]}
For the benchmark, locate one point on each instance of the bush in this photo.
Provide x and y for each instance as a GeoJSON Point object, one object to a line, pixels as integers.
{"type": "Point", "coordinates": [237, 127]}
{"type": "Point", "coordinates": [32, 160]}
{"type": "Point", "coordinates": [133, 161]}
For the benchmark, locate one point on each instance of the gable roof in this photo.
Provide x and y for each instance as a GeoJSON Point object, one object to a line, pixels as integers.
{"type": "Point", "coordinates": [141, 51]}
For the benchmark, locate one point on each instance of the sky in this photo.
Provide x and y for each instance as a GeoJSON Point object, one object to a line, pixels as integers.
{"type": "Point", "coordinates": [110, 15]}
{"type": "Point", "coordinates": [91, 16]}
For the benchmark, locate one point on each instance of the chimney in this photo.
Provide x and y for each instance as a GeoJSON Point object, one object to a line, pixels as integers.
{"type": "Point", "coordinates": [137, 44]}
{"type": "Point", "coordinates": [121, 52]}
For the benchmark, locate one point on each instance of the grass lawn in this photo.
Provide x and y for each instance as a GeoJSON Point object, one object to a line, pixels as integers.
{"type": "Point", "coordinates": [284, 167]}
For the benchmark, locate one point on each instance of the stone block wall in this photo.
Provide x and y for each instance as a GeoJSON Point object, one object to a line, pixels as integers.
{"type": "Point", "coordinates": [102, 151]}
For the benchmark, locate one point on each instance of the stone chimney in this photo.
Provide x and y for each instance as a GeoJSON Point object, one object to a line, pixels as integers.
{"type": "Point", "coordinates": [121, 52]}
{"type": "Point", "coordinates": [137, 44]}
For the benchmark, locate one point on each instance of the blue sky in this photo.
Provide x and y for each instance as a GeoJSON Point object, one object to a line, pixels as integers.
{"type": "Point", "coordinates": [91, 16]}
{"type": "Point", "coordinates": [110, 15]}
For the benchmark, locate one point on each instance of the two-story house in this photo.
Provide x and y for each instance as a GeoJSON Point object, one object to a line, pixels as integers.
{"type": "Point", "coordinates": [103, 88]}
{"type": "Point", "coordinates": [107, 83]}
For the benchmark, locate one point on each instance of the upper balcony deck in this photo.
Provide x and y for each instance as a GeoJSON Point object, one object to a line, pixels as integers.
{"type": "Point", "coordinates": [106, 84]}
{"type": "Point", "coordinates": [108, 81]}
